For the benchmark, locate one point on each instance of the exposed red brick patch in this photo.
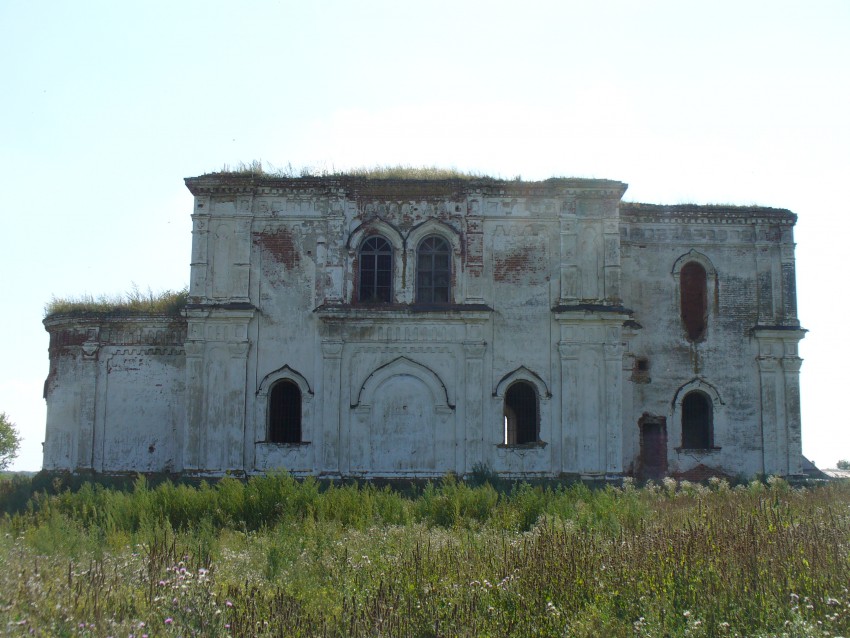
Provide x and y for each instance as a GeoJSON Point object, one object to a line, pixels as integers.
{"type": "Point", "coordinates": [61, 341]}
{"type": "Point", "coordinates": [280, 245]}
{"type": "Point", "coordinates": [50, 381]}
{"type": "Point", "coordinates": [523, 265]}
{"type": "Point", "coordinates": [701, 473]}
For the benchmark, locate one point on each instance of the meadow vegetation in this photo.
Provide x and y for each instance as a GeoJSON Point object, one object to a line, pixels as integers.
{"type": "Point", "coordinates": [274, 556]}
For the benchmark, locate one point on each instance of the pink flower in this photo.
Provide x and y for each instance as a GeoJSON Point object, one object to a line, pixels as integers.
{"type": "Point", "coordinates": [168, 621]}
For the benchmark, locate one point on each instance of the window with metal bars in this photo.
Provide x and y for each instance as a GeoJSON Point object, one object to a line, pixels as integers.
{"type": "Point", "coordinates": [285, 413]}
{"type": "Point", "coordinates": [375, 280]}
{"type": "Point", "coordinates": [521, 417]}
{"type": "Point", "coordinates": [433, 271]}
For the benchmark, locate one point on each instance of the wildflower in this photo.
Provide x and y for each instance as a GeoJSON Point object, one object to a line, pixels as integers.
{"type": "Point", "coordinates": [169, 620]}
{"type": "Point", "coordinates": [687, 613]}
{"type": "Point", "coordinates": [227, 603]}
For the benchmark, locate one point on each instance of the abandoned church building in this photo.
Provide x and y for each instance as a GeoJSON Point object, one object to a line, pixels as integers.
{"type": "Point", "coordinates": [347, 326]}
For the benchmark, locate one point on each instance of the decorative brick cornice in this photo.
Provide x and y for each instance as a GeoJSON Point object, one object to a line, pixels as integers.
{"type": "Point", "coordinates": [115, 330]}
{"type": "Point", "coordinates": [703, 214]}
{"type": "Point", "coordinates": [354, 187]}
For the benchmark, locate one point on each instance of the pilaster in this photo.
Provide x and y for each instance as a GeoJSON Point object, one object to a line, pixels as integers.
{"type": "Point", "coordinates": [473, 436]}
{"type": "Point", "coordinates": [88, 401]}
{"type": "Point", "coordinates": [591, 354]}
{"type": "Point", "coordinates": [613, 353]}
{"type": "Point", "coordinates": [474, 271]}
{"type": "Point", "coordinates": [779, 379]}
{"type": "Point", "coordinates": [216, 372]}
{"type": "Point", "coordinates": [334, 441]}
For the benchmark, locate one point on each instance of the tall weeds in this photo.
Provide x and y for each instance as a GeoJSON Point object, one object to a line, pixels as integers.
{"type": "Point", "coordinates": [274, 556]}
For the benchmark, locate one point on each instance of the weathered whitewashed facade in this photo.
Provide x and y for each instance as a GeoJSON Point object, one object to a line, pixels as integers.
{"type": "Point", "coordinates": [344, 326]}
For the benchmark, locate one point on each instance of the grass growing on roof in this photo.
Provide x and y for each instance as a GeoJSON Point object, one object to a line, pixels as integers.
{"type": "Point", "coordinates": [398, 171]}
{"type": "Point", "coordinates": [168, 302]}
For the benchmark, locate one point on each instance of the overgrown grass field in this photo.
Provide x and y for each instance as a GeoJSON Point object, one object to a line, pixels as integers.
{"type": "Point", "coordinates": [276, 557]}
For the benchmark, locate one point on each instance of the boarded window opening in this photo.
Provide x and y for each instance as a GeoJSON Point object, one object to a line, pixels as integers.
{"type": "Point", "coordinates": [696, 422]}
{"type": "Point", "coordinates": [521, 419]}
{"type": "Point", "coordinates": [433, 271]}
{"type": "Point", "coordinates": [375, 281]}
{"type": "Point", "coordinates": [653, 447]}
{"type": "Point", "coordinates": [285, 413]}
{"type": "Point", "coordinates": [694, 300]}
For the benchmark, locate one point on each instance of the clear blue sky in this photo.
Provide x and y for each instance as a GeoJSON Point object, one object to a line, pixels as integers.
{"type": "Point", "coordinates": [106, 106]}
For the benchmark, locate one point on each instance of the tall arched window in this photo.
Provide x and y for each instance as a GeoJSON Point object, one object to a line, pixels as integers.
{"type": "Point", "coordinates": [521, 418]}
{"type": "Point", "coordinates": [697, 422]}
{"type": "Point", "coordinates": [285, 413]}
{"type": "Point", "coordinates": [375, 280]}
{"type": "Point", "coordinates": [433, 270]}
{"type": "Point", "coordinates": [694, 300]}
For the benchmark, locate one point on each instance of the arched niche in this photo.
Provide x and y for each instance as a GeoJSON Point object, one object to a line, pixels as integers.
{"type": "Point", "coordinates": [403, 423]}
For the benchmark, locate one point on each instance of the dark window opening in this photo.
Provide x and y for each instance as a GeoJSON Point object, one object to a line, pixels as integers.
{"type": "Point", "coordinates": [521, 419]}
{"type": "Point", "coordinates": [694, 300]}
{"type": "Point", "coordinates": [375, 282]}
{"type": "Point", "coordinates": [285, 413]}
{"type": "Point", "coordinates": [696, 422]}
{"type": "Point", "coordinates": [433, 271]}
{"type": "Point", "coordinates": [642, 364]}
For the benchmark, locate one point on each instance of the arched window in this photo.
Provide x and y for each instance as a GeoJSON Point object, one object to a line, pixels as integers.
{"type": "Point", "coordinates": [285, 413]}
{"type": "Point", "coordinates": [697, 425]}
{"type": "Point", "coordinates": [521, 418]}
{"type": "Point", "coordinates": [375, 280]}
{"type": "Point", "coordinates": [694, 300]}
{"type": "Point", "coordinates": [433, 270]}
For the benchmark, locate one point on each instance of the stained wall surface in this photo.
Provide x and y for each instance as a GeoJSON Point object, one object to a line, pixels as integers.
{"type": "Point", "coordinates": [357, 327]}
